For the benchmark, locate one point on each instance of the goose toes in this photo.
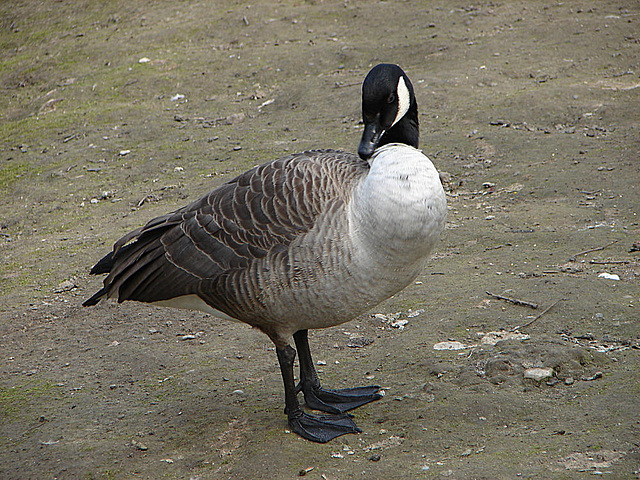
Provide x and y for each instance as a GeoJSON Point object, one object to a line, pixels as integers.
{"type": "Point", "coordinates": [322, 428]}
{"type": "Point", "coordinates": [342, 400]}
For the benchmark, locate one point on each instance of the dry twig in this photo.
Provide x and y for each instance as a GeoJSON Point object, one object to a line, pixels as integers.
{"type": "Point", "coordinates": [515, 329]}
{"type": "Point", "coordinates": [572, 258]}
{"type": "Point", "coordinates": [606, 262]}
{"type": "Point", "coordinates": [515, 301]}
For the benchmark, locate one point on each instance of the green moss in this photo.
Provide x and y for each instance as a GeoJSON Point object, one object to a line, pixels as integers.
{"type": "Point", "coordinates": [14, 401]}
{"type": "Point", "coordinates": [10, 174]}
{"type": "Point", "coordinates": [107, 474]}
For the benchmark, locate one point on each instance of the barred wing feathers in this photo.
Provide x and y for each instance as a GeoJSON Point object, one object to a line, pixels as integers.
{"type": "Point", "coordinates": [255, 216]}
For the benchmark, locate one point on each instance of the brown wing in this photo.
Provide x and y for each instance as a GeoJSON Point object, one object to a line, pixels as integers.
{"type": "Point", "coordinates": [258, 213]}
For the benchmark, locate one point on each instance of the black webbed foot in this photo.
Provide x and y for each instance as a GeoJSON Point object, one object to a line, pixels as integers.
{"type": "Point", "coordinates": [321, 428]}
{"type": "Point", "coordinates": [339, 401]}
{"type": "Point", "coordinates": [326, 400]}
{"type": "Point", "coordinates": [318, 428]}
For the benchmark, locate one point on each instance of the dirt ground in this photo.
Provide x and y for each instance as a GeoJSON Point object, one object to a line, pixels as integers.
{"type": "Point", "coordinates": [115, 112]}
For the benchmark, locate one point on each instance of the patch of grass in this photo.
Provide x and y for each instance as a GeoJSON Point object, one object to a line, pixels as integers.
{"type": "Point", "coordinates": [10, 174]}
{"type": "Point", "coordinates": [14, 401]}
{"type": "Point", "coordinates": [107, 474]}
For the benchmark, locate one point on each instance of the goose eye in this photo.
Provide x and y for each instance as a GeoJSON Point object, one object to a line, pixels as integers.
{"type": "Point", "coordinates": [391, 99]}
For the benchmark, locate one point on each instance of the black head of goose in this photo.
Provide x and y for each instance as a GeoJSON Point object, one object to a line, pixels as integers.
{"type": "Point", "coordinates": [389, 110]}
{"type": "Point", "coordinates": [307, 241]}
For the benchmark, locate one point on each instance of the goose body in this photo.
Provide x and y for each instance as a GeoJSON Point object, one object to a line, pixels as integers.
{"type": "Point", "coordinates": [304, 242]}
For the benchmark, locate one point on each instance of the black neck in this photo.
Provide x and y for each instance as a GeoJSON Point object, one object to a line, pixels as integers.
{"type": "Point", "coordinates": [406, 131]}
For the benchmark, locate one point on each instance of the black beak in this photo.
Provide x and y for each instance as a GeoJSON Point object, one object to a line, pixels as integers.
{"type": "Point", "coordinates": [370, 139]}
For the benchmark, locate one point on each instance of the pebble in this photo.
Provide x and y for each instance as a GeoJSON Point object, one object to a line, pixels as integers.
{"type": "Point", "coordinates": [450, 346]}
{"type": "Point", "coordinates": [609, 276]}
{"type": "Point", "coordinates": [399, 324]}
{"type": "Point", "coordinates": [538, 374]}
{"type": "Point", "coordinates": [492, 338]}
{"type": "Point", "coordinates": [415, 313]}
{"type": "Point", "coordinates": [139, 445]}
{"type": "Point", "coordinates": [359, 342]}
{"type": "Point", "coordinates": [65, 286]}
{"type": "Point", "coordinates": [595, 376]}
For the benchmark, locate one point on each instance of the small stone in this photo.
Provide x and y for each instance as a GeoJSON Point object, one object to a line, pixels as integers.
{"type": "Point", "coordinates": [122, 153]}
{"type": "Point", "coordinates": [399, 324]}
{"type": "Point", "coordinates": [569, 381]}
{"type": "Point", "coordinates": [492, 338]}
{"type": "Point", "coordinates": [139, 445]}
{"type": "Point", "coordinates": [375, 457]}
{"type": "Point", "coordinates": [450, 346]}
{"type": "Point", "coordinates": [359, 342]}
{"type": "Point", "coordinates": [595, 376]}
{"type": "Point", "coordinates": [538, 374]}
{"type": "Point", "coordinates": [609, 276]}
{"type": "Point", "coordinates": [234, 118]}
{"type": "Point", "coordinates": [65, 286]}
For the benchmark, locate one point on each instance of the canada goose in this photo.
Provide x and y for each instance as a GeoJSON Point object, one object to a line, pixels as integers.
{"type": "Point", "coordinates": [307, 241]}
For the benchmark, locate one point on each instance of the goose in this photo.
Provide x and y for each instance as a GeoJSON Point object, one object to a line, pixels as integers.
{"type": "Point", "coordinates": [307, 241]}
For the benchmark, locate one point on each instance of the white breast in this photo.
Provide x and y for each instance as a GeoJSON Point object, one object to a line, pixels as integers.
{"type": "Point", "coordinates": [400, 207]}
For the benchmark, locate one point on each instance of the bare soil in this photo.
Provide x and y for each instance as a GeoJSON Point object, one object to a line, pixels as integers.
{"type": "Point", "coordinates": [115, 112]}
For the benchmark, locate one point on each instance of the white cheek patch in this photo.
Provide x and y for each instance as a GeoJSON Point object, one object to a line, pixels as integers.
{"type": "Point", "coordinates": [403, 100]}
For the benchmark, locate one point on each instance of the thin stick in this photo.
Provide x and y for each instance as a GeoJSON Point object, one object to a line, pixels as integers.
{"type": "Point", "coordinates": [572, 258]}
{"type": "Point", "coordinates": [514, 329]}
{"type": "Point", "coordinates": [596, 262]}
{"type": "Point", "coordinates": [515, 301]}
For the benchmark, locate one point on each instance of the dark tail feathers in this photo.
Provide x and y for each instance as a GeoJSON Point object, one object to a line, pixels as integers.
{"type": "Point", "coordinates": [103, 266]}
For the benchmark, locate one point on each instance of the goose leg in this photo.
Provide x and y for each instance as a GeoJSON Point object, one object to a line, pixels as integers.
{"type": "Point", "coordinates": [318, 398]}
{"type": "Point", "coordinates": [317, 428]}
